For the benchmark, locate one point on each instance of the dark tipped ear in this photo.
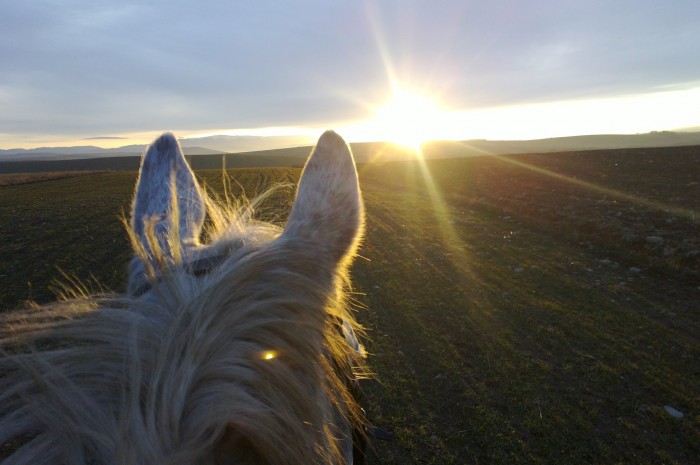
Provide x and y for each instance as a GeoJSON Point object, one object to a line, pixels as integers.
{"type": "Point", "coordinates": [166, 183]}
{"type": "Point", "coordinates": [328, 208]}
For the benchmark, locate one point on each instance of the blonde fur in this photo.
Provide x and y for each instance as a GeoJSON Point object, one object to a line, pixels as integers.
{"type": "Point", "coordinates": [245, 364]}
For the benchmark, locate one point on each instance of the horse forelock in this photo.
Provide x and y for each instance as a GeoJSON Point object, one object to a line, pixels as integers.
{"type": "Point", "coordinates": [240, 364]}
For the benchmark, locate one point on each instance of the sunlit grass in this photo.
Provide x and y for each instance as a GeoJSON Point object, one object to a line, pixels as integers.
{"type": "Point", "coordinates": [505, 324]}
{"type": "Point", "coordinates": [598, 189]}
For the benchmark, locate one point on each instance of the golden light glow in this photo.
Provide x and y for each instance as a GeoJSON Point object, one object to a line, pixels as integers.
{"type": "Point", "coordinates": [269, 355]}
{"type": "Point", "coordinates": [408, 118]}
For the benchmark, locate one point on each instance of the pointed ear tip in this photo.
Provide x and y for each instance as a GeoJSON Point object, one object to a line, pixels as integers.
{"type": "Point", "coordinates": [168, 137]}
{"type": "Point", "coordinates": [164, 143]}
{"type": "Point", "coordinates": [331, 138]}
{"type": "Point", "coordinates": [332, 146]}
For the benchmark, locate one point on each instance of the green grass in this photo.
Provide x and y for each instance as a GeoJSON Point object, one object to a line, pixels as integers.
{"type": "Point", "coordinates": [506, 325]}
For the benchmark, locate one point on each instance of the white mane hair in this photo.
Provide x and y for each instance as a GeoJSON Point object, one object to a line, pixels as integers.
{"type": "Point", "coordinates": [237, 351]}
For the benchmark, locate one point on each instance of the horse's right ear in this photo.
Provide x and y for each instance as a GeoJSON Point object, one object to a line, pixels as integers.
{"type": "Point", "coordinates": [328, 209]}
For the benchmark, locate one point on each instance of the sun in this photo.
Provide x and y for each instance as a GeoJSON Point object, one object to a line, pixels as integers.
{"type": "Point", "coordinates": [408, 118]}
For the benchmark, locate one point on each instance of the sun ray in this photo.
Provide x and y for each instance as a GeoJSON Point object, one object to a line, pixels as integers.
{"type": "Point", "coordinates": [687, 213]}
{"type": "Point", "coordinates": [407, 118]}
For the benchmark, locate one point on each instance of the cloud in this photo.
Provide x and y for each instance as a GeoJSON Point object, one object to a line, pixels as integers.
{"type": "Point", "coordinates": [117, 67]}
{"type": "Point", "coordinates": [105, 138]}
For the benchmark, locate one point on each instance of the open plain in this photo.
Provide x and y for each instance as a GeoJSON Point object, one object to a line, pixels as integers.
{"type": "Point", "coordinates": [537, 308]}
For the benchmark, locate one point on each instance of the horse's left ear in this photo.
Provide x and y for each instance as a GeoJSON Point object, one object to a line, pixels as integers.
{"type": "Point", "coordinates": [328, 209]}
{"type": "Point", "coordinates": [167, 197]}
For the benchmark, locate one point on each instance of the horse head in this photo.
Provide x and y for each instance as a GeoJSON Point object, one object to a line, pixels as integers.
{"type": "Point", "coordinates": [232, 347]}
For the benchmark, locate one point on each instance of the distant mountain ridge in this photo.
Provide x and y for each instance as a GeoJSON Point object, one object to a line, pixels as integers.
{"type": "Point", "coordinates": [241, 144]}
{"type": "Point", "coordinates": [447, 149]}
{"type": "Point", "coordinates": [210, 145]}
{"type": "Point", "coordinates": [87, 151]}
{"type": "Point", "coordinates": [221, 144]}
{"type": "Point", "coordinates": [601, 141]}
{"type": "Point", "coordinates": [92, 150]}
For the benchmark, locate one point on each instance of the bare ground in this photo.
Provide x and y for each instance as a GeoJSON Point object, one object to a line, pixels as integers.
{"type": "Point", "coordinates": [521, 309]}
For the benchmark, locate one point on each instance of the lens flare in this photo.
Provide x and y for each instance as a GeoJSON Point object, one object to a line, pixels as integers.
{"type": "Point", "coordinates": [408, 118]}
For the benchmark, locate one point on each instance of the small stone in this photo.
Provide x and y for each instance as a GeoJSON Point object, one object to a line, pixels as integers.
{"type": "Point", "coordinates": [634, 269]}
{"type": "Point", "coordinates": [518, 269]}
{"type": "Point", "coordinates": [655, 240]}
{"type": "Point", "coordinates": [673, 412]}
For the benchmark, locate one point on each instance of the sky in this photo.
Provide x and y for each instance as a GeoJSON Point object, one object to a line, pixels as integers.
{"type": "Point", "coordinates": [111, 73]}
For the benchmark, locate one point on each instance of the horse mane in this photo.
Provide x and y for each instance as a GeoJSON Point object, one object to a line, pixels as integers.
{"type": "Point", "coordinates": [247, 363]}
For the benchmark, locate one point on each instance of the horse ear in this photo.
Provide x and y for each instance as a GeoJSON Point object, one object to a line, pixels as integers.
{"type": "Point", "coordinates": [167, 196]}
{"type": "Point", "coordinates": [328, 208]}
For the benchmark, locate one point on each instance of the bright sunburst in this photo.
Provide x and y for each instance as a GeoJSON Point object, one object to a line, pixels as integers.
{"type": "Point", "coordinates": [408, 118]}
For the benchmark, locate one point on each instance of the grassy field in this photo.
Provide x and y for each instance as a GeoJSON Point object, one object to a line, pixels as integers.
{"type": "Point", "coordinates": [526, 309]}
{"type": "Point", "coordinates": [15, 179]}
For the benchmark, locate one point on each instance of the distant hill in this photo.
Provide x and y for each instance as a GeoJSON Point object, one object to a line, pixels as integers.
{"type": "Point", "coordinates": [267, 158]}
{"type": "Point", "coordinates": [86, 151]}
{"type": "Point", "coordinates": [561, 144]}
{"type": "Point", "coordinates": [211, 145]}
{"type": "Point", "coordinates": [241, 144]}
{"type": "Point", "coordinates": [204, 157]}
